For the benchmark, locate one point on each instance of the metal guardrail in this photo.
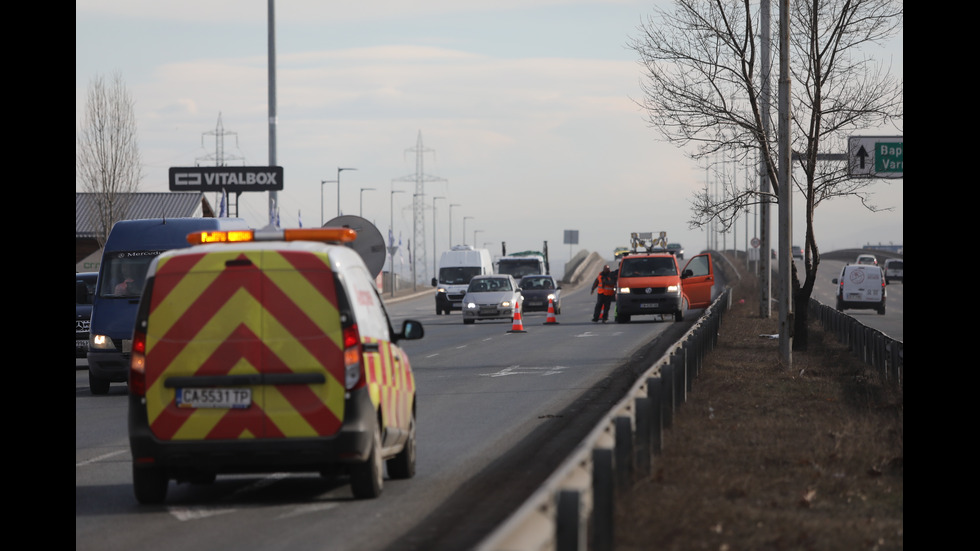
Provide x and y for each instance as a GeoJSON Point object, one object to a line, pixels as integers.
{"type": "Point", "coordinates": [573, 509]}
{"type": "Point", "coordinates": [873, 347]}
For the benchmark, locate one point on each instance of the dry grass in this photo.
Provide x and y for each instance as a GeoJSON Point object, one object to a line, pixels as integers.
{"type": "Point", "coordinates": [763, 458]}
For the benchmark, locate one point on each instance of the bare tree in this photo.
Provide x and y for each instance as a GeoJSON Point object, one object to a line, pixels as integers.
{"type": "Point", "coordinates": [107, 159]}
{"type": "Point", "coordinates": [703, 91]}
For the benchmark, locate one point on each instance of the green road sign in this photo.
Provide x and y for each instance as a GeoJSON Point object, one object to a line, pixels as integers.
{"type": "Point", "coordinates": [875, 157]}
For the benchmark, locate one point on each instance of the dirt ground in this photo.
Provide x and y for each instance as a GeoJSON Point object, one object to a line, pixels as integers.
{"type": "Point", "coordinates": [762, 458]}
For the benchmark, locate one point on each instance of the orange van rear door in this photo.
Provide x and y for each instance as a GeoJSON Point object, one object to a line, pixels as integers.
{"type": "Point", "coordinates": [697, 288]}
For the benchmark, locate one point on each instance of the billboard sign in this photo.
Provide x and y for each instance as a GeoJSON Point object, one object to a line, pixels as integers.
{"type": "Point", "coordinates": [228, 178]}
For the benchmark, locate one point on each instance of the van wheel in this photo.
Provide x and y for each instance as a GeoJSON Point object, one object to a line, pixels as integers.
{"type": "Point", "coordinates": [97, 385]}
{"type": "Point", "coordinates": [150, 485]}
{"type": "Point", "coordinates": [367, 479]}
{"type": "Point", "coordinates": [403, 464]}
{"type": "Point", "coordinates": [468, 321]}
{"type": "Point", "coordinates": [840, 305]}
{"type": "Point", "coordinates": [679, 315]}
{"type": "Point", "coordinates": [622, 318]}
{"type": "Point", "coordinates": [881, 310]}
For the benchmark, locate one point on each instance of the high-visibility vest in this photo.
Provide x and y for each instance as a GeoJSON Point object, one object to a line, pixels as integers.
{"type": "Point", "coordinates": [605, 284]}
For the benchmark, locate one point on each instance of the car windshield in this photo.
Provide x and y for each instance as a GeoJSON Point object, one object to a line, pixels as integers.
{"type": "Point", "coordinates": [645, 267]}
{"type": "Point", "coordinates": [537, 283]}
{"type": "Point", "coordinates": [489, 285]}
{"type": "Point", "coordinates": [123, 273]}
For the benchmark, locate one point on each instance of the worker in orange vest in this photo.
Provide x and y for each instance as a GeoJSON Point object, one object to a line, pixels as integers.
{"type": "Point", "coordinates": [605, 283]}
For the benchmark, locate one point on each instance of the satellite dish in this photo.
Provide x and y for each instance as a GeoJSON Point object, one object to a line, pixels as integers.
{"type": "Point", "coordinates": [370, 244]}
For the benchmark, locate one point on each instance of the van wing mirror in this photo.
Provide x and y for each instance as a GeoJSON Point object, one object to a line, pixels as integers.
{"type": "Point", "coordinates": [411, 330]}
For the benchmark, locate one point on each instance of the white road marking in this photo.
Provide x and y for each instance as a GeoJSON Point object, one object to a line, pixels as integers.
{"type": "Point", "coordinates": [518, 370]}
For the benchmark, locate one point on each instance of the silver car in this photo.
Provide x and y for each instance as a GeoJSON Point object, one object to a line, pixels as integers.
{"type": "Point", "coordinates": [491, 297]}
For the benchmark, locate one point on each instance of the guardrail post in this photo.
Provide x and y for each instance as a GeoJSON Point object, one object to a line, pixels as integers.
{"type": "Point", "coordinates": [569, 528]}
{"type": "Point", "coordinates": [603, 503]}
{"type": "Point", "coordinates": [644, 416]}
{"type": "Point", "coordinates": [655, 393]}
{"type": "Point", "coordinates": [624, 452]}
{"type": "Point", "coordinates": [680, 374]}
{"type": "Point", "coordinates": [667, 374]}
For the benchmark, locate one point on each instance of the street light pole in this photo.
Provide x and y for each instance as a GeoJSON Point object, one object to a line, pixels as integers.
{"type": "Point", "coordinates": [451, 223]}
{"type": "Point", "coordinates": [363, 189]}
{"type": "Point", "coordinates": [434, 269]}
{"type": "Point", "coordinates": [391, 238]}
{"type": "Point", "coordinates": [464, 228]}
{"type": "Point", "coordinates": [339, 170]}
{"type": "Point", "coordinates": [321, 198]}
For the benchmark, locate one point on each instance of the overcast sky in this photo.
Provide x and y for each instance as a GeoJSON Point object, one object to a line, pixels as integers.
{"type": "Point", "coordinates": [526, 111]}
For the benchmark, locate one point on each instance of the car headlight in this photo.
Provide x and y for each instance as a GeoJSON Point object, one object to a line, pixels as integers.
{"type": "Point", "coordinates": [624, 290]}
{"type": "Point", "coordinates": [100, 342]}
{"type": "Point", "coordinates": [673, 289]}
{"type": "Point", "coordinates": [470, 305]}
{"type": "Point", "coordinates": [441, 290]}
{"type": "Point", "coordinates": [505, 304]}
{"type": "Point", "coordinates": [552, 296]}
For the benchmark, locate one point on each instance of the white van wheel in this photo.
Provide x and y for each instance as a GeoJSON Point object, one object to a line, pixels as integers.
{"type": "Point", "coordinates": [367, 479]}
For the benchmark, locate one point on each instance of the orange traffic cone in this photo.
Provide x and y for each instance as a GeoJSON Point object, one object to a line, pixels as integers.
{"type": "Point", "coordinates": [551, 313]}
{"type": "Point", "coordinates": [518, 326]}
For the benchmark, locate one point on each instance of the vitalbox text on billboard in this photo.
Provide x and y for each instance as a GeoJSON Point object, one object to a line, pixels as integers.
{"type": "Point", "coordinates": [228, 178]}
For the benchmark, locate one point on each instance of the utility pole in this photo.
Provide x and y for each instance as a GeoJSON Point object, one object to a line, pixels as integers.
{"type": "Point", "coordinates": [273, 196]}
{"type": "Point", "coordinates": [419, 259]}
{"type": "Point", "coordinates": [785, 195]}
{"type": "Point", "coordinates": [219, 158]}
{"type": "Point", "coordinates": [765, 258]}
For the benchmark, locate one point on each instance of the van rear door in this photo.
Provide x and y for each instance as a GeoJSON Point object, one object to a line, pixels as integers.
{"type": "Point", "coordinates": [698, 284]}
{"type": "Point", "coordinates": [236, 319]}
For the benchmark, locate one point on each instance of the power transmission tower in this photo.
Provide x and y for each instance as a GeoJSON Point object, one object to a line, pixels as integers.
{"type": "Point", "coordinates": [219, 158]}
{"type": "Point", "coordinates": [419, 262]}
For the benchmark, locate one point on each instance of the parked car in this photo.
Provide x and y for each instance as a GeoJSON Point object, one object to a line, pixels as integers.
{"type": "Point", "coordinates": [676, 249]}
{"type": "Point", "coordinates": [537, 290]}
{"type": "Point", "coordinates": [866, 259]}
{"type": "Point", "coordinates": [84, 290]}
{"type": "Point", "coordinates": [491, 297]}
{"type": "Point", "coordinates": [268, 352]}
{"type": "Point", "coordinates": [894, 270]}
{"type": "Point", "coordinates": [861, 287]}
{"type": "Point", "coordinates": [620, 252]}
{"type": "Point", "coordinates": [797, 252]}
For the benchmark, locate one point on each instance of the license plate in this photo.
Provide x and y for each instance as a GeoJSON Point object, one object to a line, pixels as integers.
{"type": "Point", "coordinates": [80, 343]}
{"type": "Point", "coordinates": [648, 305]}
{"type": "Point", "coordinates": [534, 303]}
{"type": "Point", "coordinates": [221, 398]}
{"type": "Point", "coordinates": [853, 296]}
{"type": "Point", "coordinates": [488, 310]}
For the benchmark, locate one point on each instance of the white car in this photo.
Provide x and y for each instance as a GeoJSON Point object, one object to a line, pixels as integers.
{"type": "Point", "coordinates": [866, 259]}
{"type": "Point", "coordinates": [894, 270]}
{"type": "Point", "coordinates": [491, 297]}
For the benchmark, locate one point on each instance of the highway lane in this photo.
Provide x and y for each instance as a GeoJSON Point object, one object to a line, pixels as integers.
{"type": "Point", "coordinates": [483, 393]}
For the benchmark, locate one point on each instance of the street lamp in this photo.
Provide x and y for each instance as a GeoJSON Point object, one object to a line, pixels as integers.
{"type": "Point", "coordinates": [321, 198]}
{"type": "Point", "coordinates": [363, 189]}
{"type": "Point", "coordinates": [451, 223]}
{"type": "Point", "coordinates": [434, 269]}
{"type": "Point", "coordinates": [391, 238]}
{"type": "Point", "coordinates": [339, 170]}
{"type": "Point", "coordinates": [464, 228]}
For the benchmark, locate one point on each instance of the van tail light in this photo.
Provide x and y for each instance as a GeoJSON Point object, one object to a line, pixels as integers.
{"type": "Point", "coordinates": [353, 372]}
{"type": "Point", "coordinates": [137, 365]}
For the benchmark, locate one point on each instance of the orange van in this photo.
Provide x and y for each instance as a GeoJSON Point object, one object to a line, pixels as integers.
{"type": "Point", "coordinates": [652, 283]}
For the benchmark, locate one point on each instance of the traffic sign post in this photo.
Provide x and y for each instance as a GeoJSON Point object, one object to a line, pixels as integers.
{"type": "Point", "coordinates": [875, 156]}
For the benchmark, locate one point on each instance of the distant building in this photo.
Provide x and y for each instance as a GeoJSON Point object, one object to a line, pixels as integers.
{"type": "Point", "coordinates": [168, 204]}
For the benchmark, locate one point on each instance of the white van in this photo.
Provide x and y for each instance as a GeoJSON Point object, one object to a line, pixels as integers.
{"type": "Point", "coordinates": [861, 287]}
{"type": "Point", "coordinates": [456, 267]}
